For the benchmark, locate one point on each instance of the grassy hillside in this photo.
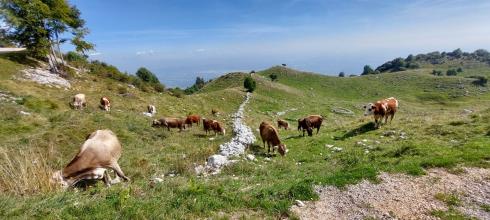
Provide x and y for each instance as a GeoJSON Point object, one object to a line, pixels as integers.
{"type": "Point", "coordinates": [431, 129]}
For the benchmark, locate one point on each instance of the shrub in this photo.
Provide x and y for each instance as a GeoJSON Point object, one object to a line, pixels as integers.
{"type": "Point", "coordinates": [451, 72]}
{"type": "Point", "coordinates": [249, 84]}
{"type": "Point", "coordinates": [273, 77]}
{"type": "Point", "coordinates": [459, 70]}
{"type": "Point", "coordinates": [367, 70]}
{"type": "Point", "coordinates": [480, 80]}
{"type": "Point", "coordinates": [146, 75]}
{"type": "Point", "coordinates": [341, 74]}
{"type": "Point", "coordinates": [159, 87]}
{"type": "Point", "coordinates": [437, 72]}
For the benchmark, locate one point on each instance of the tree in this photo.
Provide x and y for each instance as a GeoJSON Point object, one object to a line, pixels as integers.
{"type": "Point", "coordinates": [249, 84]}
{"type": "Point", "coordinates": [341, 74]}
{"type": "Point", "coordinates": [459, 70]}
{"type": "Point", "coordinates": [273, 77]}
{"type": "Point", "coordinates": [146, 75]}
{"type": "Point", "coordinates": [367, 70]}
{"type": "Point", "coordinates": [38, 25]}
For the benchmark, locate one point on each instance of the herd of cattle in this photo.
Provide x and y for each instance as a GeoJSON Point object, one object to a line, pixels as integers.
{"type": "Point", "coordinates": [101, 149]}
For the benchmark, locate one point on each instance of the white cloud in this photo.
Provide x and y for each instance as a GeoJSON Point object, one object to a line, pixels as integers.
{"type": "Point", "coordinates": [200, 50]}
{"type": "Point", "coordinates": [145, 52]}
{"type": "Point", "coordinates": [95, 54]}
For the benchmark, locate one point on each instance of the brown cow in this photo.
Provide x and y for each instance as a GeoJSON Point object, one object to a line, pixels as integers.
{"type": "Point", "coordinates": [206, 123]}
{"type": "Point", "coordinates": [310, 122]}
{"type": "Point", "coordinates": [282, 124]}
{"type": "Point", "coordinates": [105, 103]}
{"type": "Point", "coordinates": [380, 109]}
{"type": "Point", "coordinates": [191, 119]}
{"type": "Point", "coordinates": [270, 135]}
{"type": "Point", "coordinates": [100, 151]}
{"type": "Point", "coordinates": [169, 123]}
{"type": "Point", "coordinates": [218, 128]}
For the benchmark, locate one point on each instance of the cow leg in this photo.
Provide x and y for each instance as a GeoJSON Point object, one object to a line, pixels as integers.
{"type": "Point", "coordinates": [119, 172]}
{"type": "Point", "coordinates": [263, 143]}
{"type": "Point", "coordinates": [107, 179]}
{"type": "Point", "coordinates": [392, 115]}
{"type": "Point", "coordinates": [317, 129]}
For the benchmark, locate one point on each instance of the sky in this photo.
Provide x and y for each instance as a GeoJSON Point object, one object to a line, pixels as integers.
{"type": "Point", "coordinates": [179, 40]}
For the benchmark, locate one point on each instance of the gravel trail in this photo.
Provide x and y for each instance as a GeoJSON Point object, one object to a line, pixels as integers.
{"type": "Point", "coordinates": [400, 196]}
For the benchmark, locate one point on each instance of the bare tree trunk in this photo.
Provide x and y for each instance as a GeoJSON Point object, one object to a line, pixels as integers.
{"type": "Point", "coordinates": [59, 49]}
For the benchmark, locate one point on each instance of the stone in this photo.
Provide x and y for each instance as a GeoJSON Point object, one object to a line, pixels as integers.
{"type": "Point", "coordinates": [299, 203]}
{"type": "Point", "coordinates": [250, 157]}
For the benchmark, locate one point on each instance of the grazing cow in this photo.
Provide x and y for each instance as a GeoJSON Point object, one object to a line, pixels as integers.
{"type": "Point", "coordinates": [282, 124]}
{"type": "Point", "coordinates": [169, 123]}
{"type": "Point", "coordinates": [206, 123]}
{"type": "Point", "coordinates": [152, 109]}
{"type": "Point", "coordinates": [100, 151]}
{"type": "Point", "coordinates": [214, 112]}
{"type": "Point", "coordinates": [218, 128]}
{"type": "Point", "coordinates": [270, 135]}
{"type": "Point", "coordinates": [310, 122]}
{"type": "Point", "coordinates": [191, 119]}
{"type": "Point", "coordinates": [105, 103]}
{"type": "Point", "coordinates": [380, 109]}
{"type": "Point", "coordinates": [79, 101]}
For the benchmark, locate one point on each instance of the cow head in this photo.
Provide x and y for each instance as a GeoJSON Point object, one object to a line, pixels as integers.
{"type": "Point", "coordinates": [58, 179]}
{"type": "Point", "coordinates": [369, 109]}
{"type": "Point", "coordinates": [282, 149]}
{"type": "Point", "coordinates": [156, 123]}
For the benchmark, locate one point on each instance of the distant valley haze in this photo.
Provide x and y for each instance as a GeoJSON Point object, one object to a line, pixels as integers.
{"type": "Point", "coordinates": [180, 40]}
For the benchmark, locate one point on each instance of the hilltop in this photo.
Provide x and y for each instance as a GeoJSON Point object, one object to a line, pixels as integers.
{"type": "Point", "coordinates": [443, 122]}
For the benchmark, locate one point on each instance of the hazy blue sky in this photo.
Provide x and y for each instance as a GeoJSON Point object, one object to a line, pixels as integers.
{"type": "Point", "coordinates": [181, 39]}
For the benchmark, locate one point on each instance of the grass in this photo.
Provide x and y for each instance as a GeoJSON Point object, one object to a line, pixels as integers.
{"type": "Point", "coordinates": [437, 134]}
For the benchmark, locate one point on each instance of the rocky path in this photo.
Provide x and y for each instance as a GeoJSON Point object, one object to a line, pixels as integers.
{"type": "Point", "coordinates": [400, 196]}
{"type": "Point", "coordinates": [243, 136]}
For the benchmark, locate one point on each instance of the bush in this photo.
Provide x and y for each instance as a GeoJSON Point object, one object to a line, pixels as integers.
{"type": "Point", "coordinates": [249, 84]}
{"type": "Point", "coordinates": [459, 70]}
{"type": "Point", "coordinates": [341, 74]}
{"type": "Point", "coordinates": [273, 77]}
{"type": "Point", "coordinates": [159, 87]}
{"type": "Point", "coordinates": [177, 92]}
{"type": "Point", "coordinates": [367, 70]}
{"type": "Point", "coordinates": [480, 80]}
{"type": "Point", "coordinates": [146, 75]}
{"type": "Point", "coordinates": [437, 72]}
{"type": "Point", "coordinates": [451, 72]}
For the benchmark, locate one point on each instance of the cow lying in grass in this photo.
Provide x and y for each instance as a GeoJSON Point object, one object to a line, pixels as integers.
{"type": "Point", "coordinates": [209, 124]}
{"type": "Point", "coordinates": [310, 122]}
{"type": "Point", "coordinates": [381, 109]}
{"type": "Point", "coordinates": [100, 151]}
{"type": "Point", "coordinates": [169, 123]}
{"type": "Point", "coordinates": [270, 135]}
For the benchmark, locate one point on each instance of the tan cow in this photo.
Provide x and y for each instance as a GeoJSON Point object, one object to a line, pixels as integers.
{"type": "Point", "coordinates": [79, 101]}
{"type": "Point", "coordinates": [270, 135]}
{"type": "Point", "coordinates": [105, 103]}
{"type": "Point", "coordinates": [380, 109]}
{"type": "Point", "coordinates": [169, 123]}
{"type": "Point", "coordinates": [100, 151]}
